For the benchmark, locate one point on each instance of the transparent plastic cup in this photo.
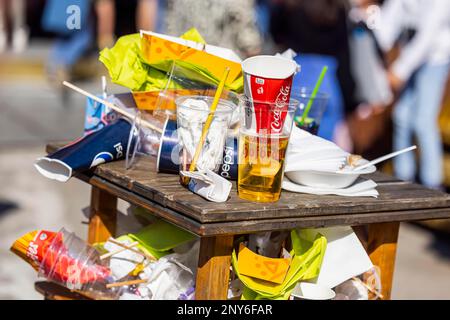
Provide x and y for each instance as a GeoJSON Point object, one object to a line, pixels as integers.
{"type": "Point", "coordinates": [319, 103]}
{"type": "Point", "coordinates": [192, 113]}
{"type": "Point", "coordinates": [76, 265]}
{"type": "Point", "coordinates": [263, 140]}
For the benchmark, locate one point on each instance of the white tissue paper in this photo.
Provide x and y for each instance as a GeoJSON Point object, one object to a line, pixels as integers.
{"type": "Point", "coordinates": [287, 54]}
{"type": "Point", "coordinates": [344, 258]}
{"type": "Point", "coordinates": [122, 263]}
{"type": "Point", "coordinates": [161, 286]}
{"type": "Point", "coordinates": [172, 275]}
{"type": "Point", "coordinates": [190, 126]}
{"type": "Point", "coordinates": [208, 184]}
{"type": "Point", "coordinates": [310, 152]}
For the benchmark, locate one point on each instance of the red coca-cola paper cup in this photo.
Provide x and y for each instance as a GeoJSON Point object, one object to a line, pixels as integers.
{"type": "Point", "coordinates": [268, 79]}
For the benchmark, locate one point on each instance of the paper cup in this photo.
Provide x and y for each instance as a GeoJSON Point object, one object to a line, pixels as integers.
{"type": "Point", "coordinates": [105, 145]}
{"type": "Point", "coordinates": [268, 79]}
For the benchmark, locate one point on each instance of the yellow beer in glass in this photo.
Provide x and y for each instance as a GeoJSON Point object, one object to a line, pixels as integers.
{"type": "Point", "coordinates": [262, 149]}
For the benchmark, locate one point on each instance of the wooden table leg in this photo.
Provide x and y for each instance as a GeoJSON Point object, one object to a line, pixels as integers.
{"type": "Point", "coordinates": [213, 271]}
{"type": "Point", "coordinates": [102, 223]}
{"type": "Point", "coordinates": [381, 246]}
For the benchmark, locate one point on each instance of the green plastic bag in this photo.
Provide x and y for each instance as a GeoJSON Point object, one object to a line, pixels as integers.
{"type": "Point", "coordinates": [160, 237]}
{"type": "Point", "coordinates": [126, 66]}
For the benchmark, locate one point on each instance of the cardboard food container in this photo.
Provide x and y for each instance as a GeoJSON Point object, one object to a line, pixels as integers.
{"type": "Point", "coordinates": [159, 47]}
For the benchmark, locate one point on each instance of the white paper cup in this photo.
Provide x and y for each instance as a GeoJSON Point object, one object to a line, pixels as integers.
{"type": "Point", "coordinates": [312, 291]}
{"type": "Point", "coordinates": [267, 79]}
{"type": "Point", "coordinates": [270, 67]}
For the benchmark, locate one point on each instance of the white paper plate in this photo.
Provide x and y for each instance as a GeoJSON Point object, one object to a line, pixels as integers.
{"type": "Point", "coordinates": [323, 179]}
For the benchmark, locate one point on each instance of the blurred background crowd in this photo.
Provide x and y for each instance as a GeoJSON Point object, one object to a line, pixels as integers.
{"type": "Point", "coordinates": [388, 84]}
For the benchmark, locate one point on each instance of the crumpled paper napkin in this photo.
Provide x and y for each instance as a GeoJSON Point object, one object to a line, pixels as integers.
{"type": "Point", "coordinates": [310, 152]}
{"type": "Point", "coordinates": [208, 184]}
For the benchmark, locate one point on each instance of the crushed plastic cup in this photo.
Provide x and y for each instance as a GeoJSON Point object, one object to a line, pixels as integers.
{"type": "Point", "coordinates": [76, 265]}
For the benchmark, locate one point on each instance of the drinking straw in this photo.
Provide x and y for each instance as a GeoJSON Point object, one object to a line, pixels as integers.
{"type": "Point", "coordinates": [130, 247]}
{"type": "Point", "coordinates": [380, 295]}
{"type": "Point", "coordinates": [104, 88]}
{"type": "Point", "coordinates": [208, 122]}
{"type": "Point", "coordinates": [314, 93]}
{"type": "Point", "coordinates": [121, 249]}
{"type": "Point", "coordinates": [105, 91]}
{"type": "Point", "coordinates": [126, 283]}
{"type": "Point", "coordinates": [111, 105]}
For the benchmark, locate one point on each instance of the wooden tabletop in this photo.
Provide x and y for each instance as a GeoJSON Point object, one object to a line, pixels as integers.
{"type": "Point", "coordinates": [164, 196]}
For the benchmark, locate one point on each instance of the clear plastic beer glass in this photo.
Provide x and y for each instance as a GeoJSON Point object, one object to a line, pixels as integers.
{"type": "Point", "coordinates": [263, 140]}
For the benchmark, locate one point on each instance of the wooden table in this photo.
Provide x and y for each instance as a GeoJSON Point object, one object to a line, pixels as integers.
{"type": "Point", "coordinates": [376, 221]}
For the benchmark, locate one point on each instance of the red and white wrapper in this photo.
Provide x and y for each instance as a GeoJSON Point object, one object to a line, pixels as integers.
{"type": "Point", "coordinates": [267, 85]}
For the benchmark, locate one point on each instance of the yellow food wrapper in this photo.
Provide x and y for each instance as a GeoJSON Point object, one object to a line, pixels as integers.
{"type": "Point", "coordinates": [33, 246]}
{"type": "Point", "coordinates": [260, 267]}
{"type": "Point", "coordinates": [306, 258]}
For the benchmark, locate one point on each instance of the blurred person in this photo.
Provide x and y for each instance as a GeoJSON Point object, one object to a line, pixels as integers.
{"type": "Point", "coordinates": [19, 34]}
{"type": "Point", "coordinates": [109, 26]}
{"type": "Point", "coordinates": [418, 75]}
{"type": "Point", "coordinates": [70, 44]}
{"type": "Point", "coordinates": [226, 23]}
{"type": "Point", "coordinates": [262, 11]}
{"type": "Point", "coordinates": [318, 32]}
{"type": "Point", "coordinates": [370, 124]}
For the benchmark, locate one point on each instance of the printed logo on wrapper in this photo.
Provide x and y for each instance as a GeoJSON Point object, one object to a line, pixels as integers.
{"type": "Point", "coordinates": [100, 158]}
{"type": "Point", "coordinates": [35, 250]}
{"type": "Point", "coordinates": [103, 157]}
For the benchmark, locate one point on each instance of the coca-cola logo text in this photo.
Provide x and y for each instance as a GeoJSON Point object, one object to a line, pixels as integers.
{"type": "Point", "coordinates": [280, 104]}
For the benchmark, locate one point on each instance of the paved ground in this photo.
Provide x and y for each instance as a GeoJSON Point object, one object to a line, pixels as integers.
{"type": "Point", "coordinates": [31, 114]}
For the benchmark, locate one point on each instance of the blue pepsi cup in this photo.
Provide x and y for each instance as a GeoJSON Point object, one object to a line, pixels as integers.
{"type": "Point", "coordinates": [105, 145]}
